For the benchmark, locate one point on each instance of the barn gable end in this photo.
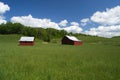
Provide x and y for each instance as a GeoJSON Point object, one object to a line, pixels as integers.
{"type": "Point", "coordinates": [71, 40]}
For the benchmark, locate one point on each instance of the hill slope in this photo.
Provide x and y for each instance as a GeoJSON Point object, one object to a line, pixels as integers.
{"type": "Point", "coordinates": [58, 62]}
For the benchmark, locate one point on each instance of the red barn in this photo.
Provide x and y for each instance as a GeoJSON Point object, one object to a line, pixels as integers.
{"type": "Point", "coordinates": [26, 41]}
{"type": "Point", "coordinates": [71, 40]}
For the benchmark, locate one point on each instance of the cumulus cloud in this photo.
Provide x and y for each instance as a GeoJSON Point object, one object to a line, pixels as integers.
{"type": "Point", "coordinates": [3, 9]}
{"type": "Point", "coordinates": [63, 23]}
{"type": "Point", "coordinates": [2, 21]}
{"type": "Point", "coordinates": [108, 17]}
{"type": "Point", "coordinates": [109, 23]}
{"type": "Point", "coordinates": [46, 23]}
{"type": "Point", "coordinates": [105, 31]}
{"type": "Point", "coordinates": [73, 29]}
{"type": "Point", "coordinates": [34, 22]}
{"type": "Point", "coordinates": [74, 24]}
{"type": "Point", "coordinates": [84, 21]}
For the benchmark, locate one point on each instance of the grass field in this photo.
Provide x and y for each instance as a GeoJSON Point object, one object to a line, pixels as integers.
{"type": "Point", "coordinates": [50, 61]}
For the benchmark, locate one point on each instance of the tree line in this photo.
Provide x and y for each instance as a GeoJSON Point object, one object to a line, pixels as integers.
{"type": "Point", "coordinates": [41, 33]}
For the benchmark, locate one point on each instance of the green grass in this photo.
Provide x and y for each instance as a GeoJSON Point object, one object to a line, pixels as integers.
{"type": "Point", "coordinates": [51, 61]}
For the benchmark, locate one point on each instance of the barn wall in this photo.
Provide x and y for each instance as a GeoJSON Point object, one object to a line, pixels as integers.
{"type": "Point", "coordinates": [65, 40]}
{"type": "Point", "coordinates": [25, 43]}
{"type": "Point", "coordinates": [78, 43]}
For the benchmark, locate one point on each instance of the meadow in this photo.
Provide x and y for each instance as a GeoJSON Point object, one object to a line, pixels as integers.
{"type": "Point", "coordinates": [53, 61]}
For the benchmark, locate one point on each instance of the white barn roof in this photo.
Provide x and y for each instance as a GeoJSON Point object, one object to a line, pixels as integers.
{"type": "Point", "coordinates": [72, 38]}
{"type": "Point", "coordinates": [26, 39]}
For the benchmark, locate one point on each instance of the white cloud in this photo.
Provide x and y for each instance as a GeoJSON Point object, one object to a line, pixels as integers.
{"type": "Point", "coordinates": [63, 23]}
{"type": "Point", "coordinates": [3, 8]}
{"type": "Point", "coordinates": [83, 24]}
{"type": "Point", "coordinates": [74, 24]}
{"type": "Point", "coordinates": [105, 31]}
{"type": "Point", "coordinates": [109, 23]}
{"type": "Point", "coordinates": [84, 21]}
{"type": "Point", "coordinates": [108, 17]}
{"type": "Point", "coordinates": [2, 21]}
{"type": "Point", "coordinates": [46, 23]}
{"type": "Point", "coordinates": [74, 28]}
{"type": "Point", "coordinates": [35, 22]}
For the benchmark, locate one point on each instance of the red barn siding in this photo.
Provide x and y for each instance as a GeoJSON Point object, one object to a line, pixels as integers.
{"type": "Point", "coordinates": [78, 43]}
{"type": "Point", "coordinates": [26, 43]}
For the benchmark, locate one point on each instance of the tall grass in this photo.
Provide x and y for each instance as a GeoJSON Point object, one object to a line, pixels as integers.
{"type": "Point", "coordinates": [57, 62]}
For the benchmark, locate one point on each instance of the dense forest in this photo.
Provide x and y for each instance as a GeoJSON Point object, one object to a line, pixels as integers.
{"type": "Point", "coordinates": [40, 33]}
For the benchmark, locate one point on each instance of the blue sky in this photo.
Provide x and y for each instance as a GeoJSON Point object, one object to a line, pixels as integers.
{"type": "Point", "coordinates": [77, 16]}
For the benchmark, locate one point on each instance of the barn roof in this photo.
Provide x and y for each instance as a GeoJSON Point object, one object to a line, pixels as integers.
{"type": "Point", "coordinates": [26, 39]}
{"type": "Point", "coordinates": [72, 38]}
